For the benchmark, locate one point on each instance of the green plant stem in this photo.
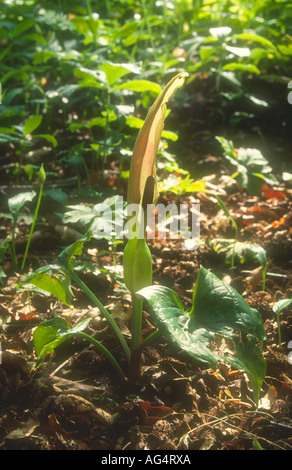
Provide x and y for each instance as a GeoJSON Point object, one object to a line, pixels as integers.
{"type": "Point", "coordinates": [148, 340]}
{"type": "Point", "coordinates": [233, 254]}
{"type": "Point", "coordinates": [91, 25]}
{"type": "Point", "coordinates": [146, 15]}
{"type": "Point", "coordinates": [105, 351]}
{"type": "Point", "coordinates": [106, 133]}
{"type": "Point", "coordinates": [264, 274]}
{"type": "Point", "coordinates": [136, 327]}
{"type": "Point", "coordinates": [103, 310]}
{"type": "Point", "coordinates": [33, 225]}
{"type": "Point", "coordinates": [227, 213]}
{"type": "Point", "coordinates": [279, 328]}
{"type": "Point", "coordinates": [135, 364]}
{"type": "Point", "coordinates": [12, 251]}
{"type": "Point", "coordinates": [136, 353]}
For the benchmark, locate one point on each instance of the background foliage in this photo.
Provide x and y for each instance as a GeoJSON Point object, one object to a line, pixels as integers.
{"type": "Point", "coordinates": [78, 76]}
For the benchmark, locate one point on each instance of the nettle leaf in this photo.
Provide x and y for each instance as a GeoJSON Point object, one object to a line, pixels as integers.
{"type": "Point", "coordinates": [218, 310]}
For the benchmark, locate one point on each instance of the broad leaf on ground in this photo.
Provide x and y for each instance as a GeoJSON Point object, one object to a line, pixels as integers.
{"type": "Point", "coordinates": [217, 310]}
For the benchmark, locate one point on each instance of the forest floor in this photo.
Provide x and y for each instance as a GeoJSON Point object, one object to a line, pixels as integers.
{"type": "Point", "coordinates": [74, 400]}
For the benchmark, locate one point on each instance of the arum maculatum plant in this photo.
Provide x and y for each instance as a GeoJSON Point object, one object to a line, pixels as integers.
{"type": "Point", "coordinates": [217, 312]}
{"type": "Point", "coordinates": [56, 279]}
{"type": "Point", "coordinates": [142, 191]}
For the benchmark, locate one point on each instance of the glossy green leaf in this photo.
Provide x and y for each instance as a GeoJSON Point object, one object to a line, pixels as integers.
{"type": "Point", "coordinates": [285, 49]}
{"type": "Point", "coordinates": [79, 213]}
{"type": "Point", "coordinates": [169, 317]}
{"type": "Point", "coordinates": [252, 166]}
{"type": "Point", "coordinates": [217, 310]}
{"type": "Point", "coordinates": [7, 130]}
{"type": "Point", "coordinates": [218, 306]}
{"type": "Point", "coordinates": [206, 52]}
{"type": "Point", "coordinates": [59, 323]}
